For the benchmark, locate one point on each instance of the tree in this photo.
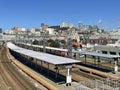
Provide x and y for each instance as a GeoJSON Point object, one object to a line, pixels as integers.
{"type": "Point", "coordinates": [35, 42]}
{"type": "Point", "coordinates": [63, 43]}
{"type": "Point", "coordinates": [54, 43]}
{"type": "Point", "coordinates": [74, 44]}
{"type": "Point", "coordinates": [50, 41]}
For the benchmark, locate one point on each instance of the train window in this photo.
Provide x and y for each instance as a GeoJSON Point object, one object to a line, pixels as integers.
{"type": "Point", "coordinates": [113, 53]}
{"type": "Point", "coordinates": [104, 52]}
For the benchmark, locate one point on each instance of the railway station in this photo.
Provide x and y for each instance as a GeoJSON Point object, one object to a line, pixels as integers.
{"type": "Point", "coordinates": [97, 57]}
{"type": "Point", "coordinates": [33, 53]}
{"type": "Point", "coordinates": [46, 58]}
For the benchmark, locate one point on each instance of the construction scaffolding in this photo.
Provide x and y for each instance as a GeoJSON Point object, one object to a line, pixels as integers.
{"type": "Point", "coordinates": [103, 84]}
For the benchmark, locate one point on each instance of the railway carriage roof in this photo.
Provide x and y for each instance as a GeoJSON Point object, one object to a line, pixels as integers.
{"type": "Point", "coordinates": [52, 48]}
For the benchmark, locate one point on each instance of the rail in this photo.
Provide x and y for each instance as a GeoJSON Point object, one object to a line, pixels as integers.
{"type": "Point", "coordinates": [92, 71]}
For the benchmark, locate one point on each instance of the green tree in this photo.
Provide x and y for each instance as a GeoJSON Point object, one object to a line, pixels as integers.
{"type": "Point", "coordinates": [54, 43]}
{"type": "Point", "coordinates": [35, 42]}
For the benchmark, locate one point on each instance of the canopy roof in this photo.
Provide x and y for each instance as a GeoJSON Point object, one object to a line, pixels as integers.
{"type": "Point", "coordinates": [52, 59]}
{"type": "Point", "coordinates": [97, 54]}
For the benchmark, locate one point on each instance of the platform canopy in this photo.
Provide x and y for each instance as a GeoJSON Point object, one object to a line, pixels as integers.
{"type": "Point", "coordinates": [52, 59]}
{"type": "Point", "coordinates": [97, 54]}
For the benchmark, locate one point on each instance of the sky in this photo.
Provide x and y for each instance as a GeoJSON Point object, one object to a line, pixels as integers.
{"type": "Point", "coordinates": [31, 13]}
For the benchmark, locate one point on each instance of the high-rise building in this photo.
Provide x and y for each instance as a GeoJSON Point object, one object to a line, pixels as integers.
{"type": "Point", "coordinates": [95, 28]}
{"type": "Point", "coordinates": [0, 30]}
{"type": "Point", "coordinates": [44, 28]}
{"type": "Point", "coordinates": [80, 25]}
{"type": "Point", "coordinates": [15, 28]}
{"type": "Point", "coordinates": [42, 24]}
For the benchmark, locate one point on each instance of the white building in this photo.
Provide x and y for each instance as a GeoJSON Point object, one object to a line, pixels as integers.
{"type": "Point", "coordinates": [50, 31]}
{"type": "Point", "coordinates": [9, 32]}
{"type": "Point", "coordinates": [22, 29]}
{"type": "Point", "coordinates": [64, 24]}
{"type": "Point", "coordinates": [71, 26]}
{"type": "Point", "coordinates": [8, 37]}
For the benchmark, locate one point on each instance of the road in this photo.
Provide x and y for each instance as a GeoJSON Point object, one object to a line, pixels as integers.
{"type": "Point", "coordinates": [11, 76]}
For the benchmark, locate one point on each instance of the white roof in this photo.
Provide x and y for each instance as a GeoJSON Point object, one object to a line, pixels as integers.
{"type": "Point", "coordinates": [56, 60]}
{"type": "Point", "coordinates": [97, 54]}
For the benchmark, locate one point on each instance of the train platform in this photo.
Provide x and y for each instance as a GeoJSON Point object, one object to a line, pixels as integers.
{"type": "Point", "coordinates": [42, 58]}
{"type": "Point", "coordinates": [57, 85]}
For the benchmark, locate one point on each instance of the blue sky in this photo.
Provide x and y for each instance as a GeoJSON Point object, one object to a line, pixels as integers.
{"type": "Point", "coordinates": [31, 13]}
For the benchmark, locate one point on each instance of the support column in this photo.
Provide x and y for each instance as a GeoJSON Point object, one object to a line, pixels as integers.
{"type": "Point", "coordinates": [56, 68]}
{"type": "Point", "coordinates": [98, 61]}
{"type": "Point", "coordinates": [24, 59]}
{"type": "Point", "coordinates": [75, 55]}
{"type": "Point", "coordinates": [48, 69]}
{"type": "Point", "coordinates": [28, 59]}
{"type": "Point", "coordinates": [41, 65]}
{"type": "Point", "coordinates": [68, 77]}
{"type": "Point", "coordinates": [36, 63]}
{"type": "Point", "coordinates": [116, 66]}
{"type": "Point", "coordinates": [36, 49]}
{"type": "Point", "coordinates": [94, 60]}
{"type": "Point", "coordinates": [85, 59]}
{"type": "Point", "coordinates": [65, 54]}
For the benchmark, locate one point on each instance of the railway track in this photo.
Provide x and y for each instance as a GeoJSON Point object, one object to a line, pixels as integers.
{"type": "Point", "coordinates": [11, 76]}
{"type": "Point", "coordinates": [86, 76]}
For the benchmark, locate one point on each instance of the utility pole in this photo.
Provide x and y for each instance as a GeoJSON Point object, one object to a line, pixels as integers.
{"type": "Point", "coordinates": [27, 36]}
{"type": "Point", "coordinates": [16, 37]}
{"type": "Point", "coordinates": [44, 42]}
{"type": "Point", "coordinates": [69, 47]}
{"type": "Point", "coordinates": [31, 41]}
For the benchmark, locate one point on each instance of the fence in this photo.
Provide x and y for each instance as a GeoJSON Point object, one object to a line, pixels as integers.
{"type": "Point", "coordinates": [103, 84]}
